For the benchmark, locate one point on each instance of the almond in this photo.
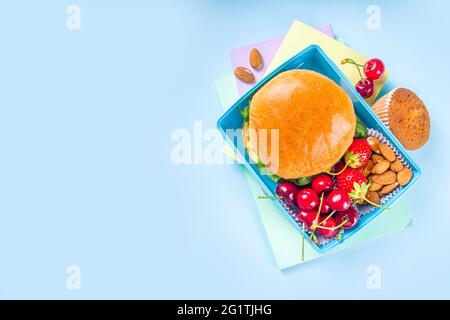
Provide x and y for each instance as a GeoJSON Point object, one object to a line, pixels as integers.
{"type": "Point", "coordinates": [368, 168]}
{"type": "Point", "coordinates": [389, 188]}
{"type": "Point", "coordinates": [387, 152]}
{"type": "Point", "coordinates": [243, 74]}
{"type": "Point", "coordinates": [255, 59]}
{"type": "Point", "coordinates": [396, 166]}
{"type": "Point", "coordinates": [385, 178]}
{"type": "Point", "coordinates": [377, 158]}
{"type": "Point", "coordinates": [374, 144]}
{"type": "Point", "coordinates": [375, 186]}
{"type": "Point", "coordinates": [381, 167]}
{"type": "Point", "coordinates": [373, 197]}
{"type": "Point", "coordinates": [404, 176]}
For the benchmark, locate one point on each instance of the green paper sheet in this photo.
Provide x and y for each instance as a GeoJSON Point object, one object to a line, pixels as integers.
{"type": "Point", "coordinates": [284, 239]}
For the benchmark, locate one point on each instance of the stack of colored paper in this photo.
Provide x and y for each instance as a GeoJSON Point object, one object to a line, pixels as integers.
{"type": "Point", "coordinates": [284, 239]}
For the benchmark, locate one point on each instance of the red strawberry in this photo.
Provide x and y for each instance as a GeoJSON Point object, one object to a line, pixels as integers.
{"type": "Point", "coordinates": [347, 179]}
{"type": "Point", "coordinates": [355, 183]}
{"type": "Point", "coordinates": [358, 154]}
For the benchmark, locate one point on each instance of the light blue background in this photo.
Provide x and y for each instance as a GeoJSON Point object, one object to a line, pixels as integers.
{"type": "Point", "coordinates": [85, 172]}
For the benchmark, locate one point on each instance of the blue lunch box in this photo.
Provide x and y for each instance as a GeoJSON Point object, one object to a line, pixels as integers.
{"type": "Point", "coordinates": [314, 58]}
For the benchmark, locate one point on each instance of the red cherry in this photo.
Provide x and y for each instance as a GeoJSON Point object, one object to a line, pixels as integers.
{"type": "Point", "coordinates": [338, 167]}
{"type": "Point", "coordinates": [365, 87]}
{"type": "Point", "coordinates": [287, 190]}
{"type": "Point", "coordinates": [339, 200]}
{"type": "Point", "coordinates": [351, 215]}
{"type": "Point", "coordinates": [307, 199]}
{"type": "Point", "coordinates": [322, 183]}
{"type": "Point", "coordinates": [328, 223]}
{"type": "Point", "coordinates": [307, 217]}
{"type": "Point", "coordinates": [374, 69]}
{"type": "Point", "coordinates": [325, 207]}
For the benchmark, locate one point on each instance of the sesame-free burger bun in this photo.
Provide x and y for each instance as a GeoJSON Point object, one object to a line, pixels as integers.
{"type": "Point", "coordinates": [315, 118]}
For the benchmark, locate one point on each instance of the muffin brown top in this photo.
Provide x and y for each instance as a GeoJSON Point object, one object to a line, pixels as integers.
{"type": "Point", "coordinates": [409, 119]}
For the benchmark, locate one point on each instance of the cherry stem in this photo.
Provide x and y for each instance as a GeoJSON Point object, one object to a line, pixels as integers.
{"type": "Point", "coordinates": [303, 242]}
{"type": "Point", "coordinates": [374, 204]}
{"type": "Point", "coordinates": [357, 65]}
{"type": "Point", "coordinates": [340, 234]}
{"type": "Point", "coordinates": [360, 74]}
{"type": "Point", "coordinates": [334, 228]}
{"type": "Point", "coordinates": [316, 241]}
{"type": "Point", "coordinates": [312, 234]}
{"type": "Point", "coordinates": [269, 197]}
{"type": "Point", "coordinates": [351, 61]}
{"type": "Point", "coordinates": [318, 211]}
{"type": "Point", "coordinates": [313, 227]}
{"type": "Point", "coordinates": [337, 173]}
{"type": "Point", "coordinates": [329, 216]}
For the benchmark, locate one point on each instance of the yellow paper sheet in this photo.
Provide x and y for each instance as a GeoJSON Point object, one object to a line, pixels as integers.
{"type": "Point", "coordinates": [301, 36]}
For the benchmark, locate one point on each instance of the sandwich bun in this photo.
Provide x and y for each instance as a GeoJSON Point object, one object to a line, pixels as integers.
{"type": "Point", "coordinates": [315, 119]}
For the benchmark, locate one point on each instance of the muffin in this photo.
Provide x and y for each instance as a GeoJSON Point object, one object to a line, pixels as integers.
{"type": "Point", "coordinates": [406, 116]}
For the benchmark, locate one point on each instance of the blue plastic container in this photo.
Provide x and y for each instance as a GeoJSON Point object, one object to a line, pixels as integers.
{"type": "Point", "coordinates": [313, 58]}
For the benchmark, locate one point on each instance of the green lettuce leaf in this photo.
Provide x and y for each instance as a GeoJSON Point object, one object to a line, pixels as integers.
{"type": "Point", "coordinates": [263, 169]}
{"type": "Point", "coordinates": [245, 113]}
{"type": "Point", "coordinates": [303, 181]}
{"type": "Point", "coordinates": [300, 181]}
{"type": "Point", "coordinates": [361, 129]}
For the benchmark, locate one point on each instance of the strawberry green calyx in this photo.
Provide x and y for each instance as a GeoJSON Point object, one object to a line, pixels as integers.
{"type": "Point", "coordinates": [359, 191]}
{"type": "Point", "coordinates": [353, 160]}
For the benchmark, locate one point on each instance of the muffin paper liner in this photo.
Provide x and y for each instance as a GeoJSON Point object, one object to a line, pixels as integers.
{"type": "Point", "coordinates": [381, 107]}
{"type": "Point", "coordinates": [362, 209]}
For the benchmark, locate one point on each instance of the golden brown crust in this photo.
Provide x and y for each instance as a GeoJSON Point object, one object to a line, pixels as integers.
{"type": "Point", "coordinates": [315, 118]}
{"type": "Point", "coordinates": [409, 119]}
